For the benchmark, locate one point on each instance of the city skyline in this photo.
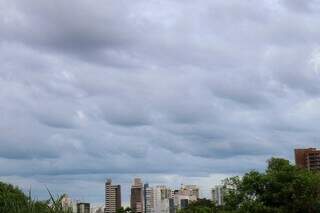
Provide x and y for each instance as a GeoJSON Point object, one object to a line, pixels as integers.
{"type": "Point", "coordinates": [170, 91]}
{"type": "Point", "coordinates": [113, 195]}
{"type": "Point", "coordinates": [146, 198]}
{"type": "Point", "coordinates": [150, 198]}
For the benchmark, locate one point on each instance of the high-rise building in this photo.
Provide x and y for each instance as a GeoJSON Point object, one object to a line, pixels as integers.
{"type": "Point", "coordinates": [190, 190]}
{"type": "Point", "coordinates": [185, 195]}
{"type": "Point", "coordinates": [308, 158]}
{"type": "Point", "coordinates": [217, 195]}
{"type": "Point", "coordinates": [148, 199]}
{"type": "Point", "coordinates": [162, 199]}
{"type": "Point", "coordinates": [83, 207]}
{"type": "Point", "coordinates": [137, 196]}
{"type": "Point", "coordinates": [112, 197]}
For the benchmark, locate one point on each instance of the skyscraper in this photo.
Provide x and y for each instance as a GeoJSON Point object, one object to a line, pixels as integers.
{"type": "Point", "coordinates": [162, 199]}
{"type": "Point", "coordinates": [308, 158]}
{"type": "Point", "coordinates": [137, 198]}
{"type": "Point", "coordinates": [217, 195]}
{"type": "Point", "coordinates": [148, 199]}
{"type": "Point", "coordinates": [112, 197]}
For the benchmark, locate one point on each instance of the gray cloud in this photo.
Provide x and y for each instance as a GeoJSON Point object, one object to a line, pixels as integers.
{"type": "Point", "coordinates": [167, 90]}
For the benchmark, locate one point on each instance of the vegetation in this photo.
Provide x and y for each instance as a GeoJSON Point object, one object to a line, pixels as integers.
{"type": "Point", "coordinates": [282, 188]}
{"type": "Point", "coordinates": [201, 206]}
{"type": "Point", "coordinates": [13, 200]}
{"type": "Point", "coordinates": [125, 210]}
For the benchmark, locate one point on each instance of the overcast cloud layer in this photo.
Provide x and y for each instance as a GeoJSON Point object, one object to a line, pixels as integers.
{"type": "Point", "coordinates": [173, 91]}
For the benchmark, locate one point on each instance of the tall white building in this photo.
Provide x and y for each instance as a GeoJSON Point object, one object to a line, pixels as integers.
{"type": "Point", "coordinates": [163, 202]}
{"type": "Point", "coordinates": [217, 195]}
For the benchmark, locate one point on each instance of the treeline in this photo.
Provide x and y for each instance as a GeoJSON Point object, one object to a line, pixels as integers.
{"type": "Point", "coordinates": [281, 188]}
{"type": "Point", "coordinates": [13, 200]}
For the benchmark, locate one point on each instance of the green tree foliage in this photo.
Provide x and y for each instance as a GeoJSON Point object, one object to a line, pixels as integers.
{"type": "Point", "coordinates": [13, 200]}
{"type": "Point", "coordinates": [282, 188]}
{"type": "Point", "coordinates": [200, 206]}
{"type": "Point", "coordinates": [124, 210]}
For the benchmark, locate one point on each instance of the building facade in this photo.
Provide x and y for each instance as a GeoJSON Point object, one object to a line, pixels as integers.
{"type": "Point", "coordinates": [308, 158]}
{"type": "Point", "coordinates": [184, 203]}
{"type": "Point", "coordinates": [192, 191]}
{"type": "Point", "coordinates": [181, 201]}
{"type": "Point", "coordinates": [137, 196]}
{"type": "Point", "coordinates": [112, 197]}
{"type": "Point", "coordinates": [83, 207]}
{"type": "Point", "coordinates": [217, 195]}
{"type": "Point", "coordinates": [148, 199]}
{"type": "Point", "coordinates": [163, 202]}
{"type": "Point", "coordinates": [66, 203]}
{"type": "Point", "coordinates": [185, 195]}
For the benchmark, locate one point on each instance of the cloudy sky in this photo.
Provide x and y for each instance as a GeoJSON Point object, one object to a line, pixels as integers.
{"type": "Point", "coordinates": [171, 91]}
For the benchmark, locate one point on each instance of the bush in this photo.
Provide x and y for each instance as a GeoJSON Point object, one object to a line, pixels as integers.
{"type": "Point", "coordinates": [13, 200]}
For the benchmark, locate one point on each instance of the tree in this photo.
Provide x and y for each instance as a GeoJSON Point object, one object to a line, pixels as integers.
{"type": "Point", "coordinates": [13, 200]}
{"type": "Point", "coordinates": [200, 206]}
{"type": "Point", "coordinates": [281, 188]}
{"type": "Point", "coordinates": [124, 210]}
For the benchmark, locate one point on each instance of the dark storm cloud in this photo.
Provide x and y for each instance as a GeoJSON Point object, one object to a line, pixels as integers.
{"type": "Point", "coordinates": [184, 89]}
